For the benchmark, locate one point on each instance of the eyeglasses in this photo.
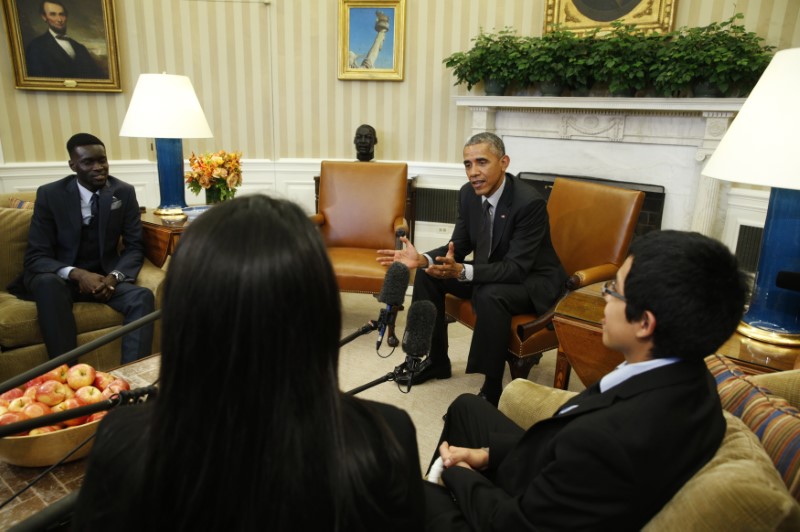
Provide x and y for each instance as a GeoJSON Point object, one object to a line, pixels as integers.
{"type": "Point", "coordinates": [610, 288]}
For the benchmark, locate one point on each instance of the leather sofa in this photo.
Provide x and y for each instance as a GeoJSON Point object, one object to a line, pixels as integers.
{"type": "Point", "coordinates": [21, 343]}
{"type": "Point", "coordinates": [752, 483]}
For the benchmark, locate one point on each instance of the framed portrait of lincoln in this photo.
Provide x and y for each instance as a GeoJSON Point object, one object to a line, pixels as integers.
{"type": "Point", "coordinates": [63, 45]}
{"type": "Point", "coordinates": [581, 16]}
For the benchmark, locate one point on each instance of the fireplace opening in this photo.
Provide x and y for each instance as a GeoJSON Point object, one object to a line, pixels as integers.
{"type": "Point", "coordinates": [652, 207]}
{"type": "Point", "coordinates": [441, 206]}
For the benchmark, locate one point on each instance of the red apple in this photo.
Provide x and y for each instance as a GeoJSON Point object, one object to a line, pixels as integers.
{"type": "Point", "coordinates": [57, 374]}
{"type": "Point", "coordinates": [36, 410]}
{"type": "Point", "coordinates": [44, 430]}
{"type": "Point", "coordinates": [96, 416]}
{"type": "Point", "coordinates": [80, 375]}
{"type": "Point", "coordinates": [88, 395]}
{"type": "Point", "coordinates": [119, 384]}
{"type": "Point", "coordinates": [103, 379]}
{"type": "Point", "coordinates": [60, 407]}
{"type": "Point", "coordinates": [19, 404]}
{"type": "Point", "coordinates": [34, 382]}
{"type": "Point", "coordinates": [69, 393]}
{"type": "Point", "coordinates": [11, 394]}
{"type": "Point", "coordinates": [70, 404]}
{"type": "Point", "coordinates": [51, 392]}
{"type": "Point", "coordinates": [13, 417]}
{"type": "Point", "coordinates": [31, 392]}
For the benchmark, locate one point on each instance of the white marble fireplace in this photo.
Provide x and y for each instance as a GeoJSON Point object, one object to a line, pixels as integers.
{"type": "Point", "coordinates": [658, 141]}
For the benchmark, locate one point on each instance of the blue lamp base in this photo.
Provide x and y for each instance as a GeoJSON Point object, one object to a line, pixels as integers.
{"type": "Point", "coordinates": [169, 155]}
{"type": "Point", "coordinates": [774, 312]}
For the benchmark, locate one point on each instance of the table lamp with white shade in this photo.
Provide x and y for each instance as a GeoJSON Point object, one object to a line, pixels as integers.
{"type": "Point", "coordinates": [762, 147]}
{"type": "Point", "coordinates": [165, 107]}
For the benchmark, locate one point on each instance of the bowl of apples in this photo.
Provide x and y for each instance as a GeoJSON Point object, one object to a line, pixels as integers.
{"type": "Point", "coordinates": [57, 390]}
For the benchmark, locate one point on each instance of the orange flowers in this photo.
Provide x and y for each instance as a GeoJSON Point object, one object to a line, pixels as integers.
{"type": "Point", "coordinates": [220, 170]}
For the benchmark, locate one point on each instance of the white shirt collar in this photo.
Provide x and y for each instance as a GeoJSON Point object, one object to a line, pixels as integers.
{"type": "Point", "coordinates": [625, 371]}
{"type": "Point", "coordinates": [494, 199]}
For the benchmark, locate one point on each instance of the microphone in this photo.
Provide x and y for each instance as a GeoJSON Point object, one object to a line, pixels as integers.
{"type": "Point", "coordinates": [788, 280]}
{"type": "Point", "coordinates": [393, 293]}
{"type": "Point", "coordinates": [418, 334]}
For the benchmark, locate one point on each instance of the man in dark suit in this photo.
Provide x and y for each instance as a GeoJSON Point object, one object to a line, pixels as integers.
{"type": "Point", "coordinates": [53, 54]}
{"type": "Point", "coordinates": [611, 457]}
{"type": "Point", "coordinates": [514, 269]}
{"type": "Point", "coordinates": [73, 252]}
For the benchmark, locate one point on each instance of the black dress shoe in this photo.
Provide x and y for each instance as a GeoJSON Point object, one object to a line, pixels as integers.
{"type": "Point", "coordinates": [427, 371]}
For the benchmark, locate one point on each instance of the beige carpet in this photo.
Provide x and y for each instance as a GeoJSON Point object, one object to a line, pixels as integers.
{"type": "Point", "coordinates": [360, 364]}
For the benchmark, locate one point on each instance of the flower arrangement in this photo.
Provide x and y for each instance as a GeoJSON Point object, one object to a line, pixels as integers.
{"type": "Point", "coordinates": [217, 173]}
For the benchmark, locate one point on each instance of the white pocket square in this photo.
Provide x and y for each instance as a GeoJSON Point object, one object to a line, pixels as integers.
{"type": "Point", "coordinates": [116, 203]}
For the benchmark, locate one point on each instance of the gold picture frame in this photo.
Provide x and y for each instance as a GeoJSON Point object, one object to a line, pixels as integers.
{"type": "Point", "coordinates": [582, 16]}
{"type": "Point", "coordinates": [371, 39]}
{"type": "Point", "coordinates": [84, 58]}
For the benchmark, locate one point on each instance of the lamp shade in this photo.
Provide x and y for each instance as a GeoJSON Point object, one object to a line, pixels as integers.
{"type": "Point", "coordinates": [165, 106]}
{"type": "Point", "coordinates": [761, 145]}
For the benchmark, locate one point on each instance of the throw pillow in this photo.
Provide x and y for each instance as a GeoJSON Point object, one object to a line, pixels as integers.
{"type": "Point", "coordinates": [15, 203]}
{"type": "Point", "coordinates": [770, 417]}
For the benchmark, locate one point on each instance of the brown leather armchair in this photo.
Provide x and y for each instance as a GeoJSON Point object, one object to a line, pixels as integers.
{"type": "Point", "coordinates": [361, 209]}
{"type": "Point", "coordinates": [591, 226]}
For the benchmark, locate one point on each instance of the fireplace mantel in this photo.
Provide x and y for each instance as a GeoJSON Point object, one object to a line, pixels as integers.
{"type": "Point", "coordinates": [695, 123]}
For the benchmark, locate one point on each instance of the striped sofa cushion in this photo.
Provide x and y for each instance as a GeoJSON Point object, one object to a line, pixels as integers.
{"type": "Point", "coordinates": [15, 203]}
{"type": "Point", "coordinates": [771, 418]}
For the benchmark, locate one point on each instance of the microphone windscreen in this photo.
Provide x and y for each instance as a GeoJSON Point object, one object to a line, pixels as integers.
{"type": "Point", "coordinates": [395, 284]}
{"type": "Point", "coordinates": [419, 328]}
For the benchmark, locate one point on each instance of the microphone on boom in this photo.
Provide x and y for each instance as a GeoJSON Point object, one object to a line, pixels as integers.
{"type": "Point", "coordinates": [418, 334]}
{"type": "Point", "coordinates": [393, 293]}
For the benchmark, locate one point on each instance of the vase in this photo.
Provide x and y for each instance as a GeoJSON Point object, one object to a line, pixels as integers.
{"type": "Point", "coordinates": [493, 87]}
{"type": "Point", "coordinates": [704, 89]}
{"type": "Point", "coordinates": [213, 195]}
{"type": "Point", "coordinates": [551, 88]}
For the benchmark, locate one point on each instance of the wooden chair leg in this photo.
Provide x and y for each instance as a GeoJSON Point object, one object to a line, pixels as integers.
{"type": "Point", "coordinates": [521, 367]}
{"type": "Point", "coordinates": [563, 371]}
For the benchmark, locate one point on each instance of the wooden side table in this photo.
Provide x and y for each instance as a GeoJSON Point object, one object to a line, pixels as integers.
{"type": "Point", "coordinates": [578, 324]}
{"type": "Point", "coordinates": [159, 239]}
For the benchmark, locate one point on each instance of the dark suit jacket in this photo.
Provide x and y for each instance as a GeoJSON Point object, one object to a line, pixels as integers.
{"type": "Point", "coordinates": [55, 231]}
{"type": "Point", "coordinates": [522, 251]}
{"type": "Point", "coordinates": [45, 58]}
{"type": "Point", "coordinates": [610, 464]}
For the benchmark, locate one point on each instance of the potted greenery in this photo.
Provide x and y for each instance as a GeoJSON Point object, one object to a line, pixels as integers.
{"type": "Point", "coordinates": [714, 60]}
{"type": "Point", "coordinates": [557, 60]}
{"type": "Point", "coordinates": [494, 59]}
{"type": "Point", "coordinates": [623, 57]}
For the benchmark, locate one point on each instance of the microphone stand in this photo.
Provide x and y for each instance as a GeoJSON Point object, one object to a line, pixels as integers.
{"type": "Point", "coordinates": [391, 376]}
{"type": "Point", "coordinates": [373, 325]}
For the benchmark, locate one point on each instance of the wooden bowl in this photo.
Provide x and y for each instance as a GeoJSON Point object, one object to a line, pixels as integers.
{"type": "Point", "coordinates": [47, 449]}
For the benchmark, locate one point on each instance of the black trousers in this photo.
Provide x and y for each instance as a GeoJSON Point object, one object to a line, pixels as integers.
{"type": "Point", "coordinates": [469, 422]}
{"type": "Point", "coordinates": [54, 298]}
{"type": "Point", "coordinates": [494, 305]}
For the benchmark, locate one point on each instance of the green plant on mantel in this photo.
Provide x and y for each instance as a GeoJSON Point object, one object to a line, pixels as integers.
{"type": "Point", "coordinates": [623, 57]}
{"type": "Point", "coordinates": [723, 55]}
{"type": "Point", "coordinates": [627, 59]}
{"type": "Point", "coordinates": [493, 56]}
{"type": "Point", "coordinates": [561, 58]}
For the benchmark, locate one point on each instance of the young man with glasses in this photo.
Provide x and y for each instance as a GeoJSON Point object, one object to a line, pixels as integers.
{"type": "Point", "coordinates": [611, 457]}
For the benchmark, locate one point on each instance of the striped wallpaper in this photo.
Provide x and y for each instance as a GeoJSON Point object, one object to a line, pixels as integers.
{"type": "Point", "coordinates": [266, 75]}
